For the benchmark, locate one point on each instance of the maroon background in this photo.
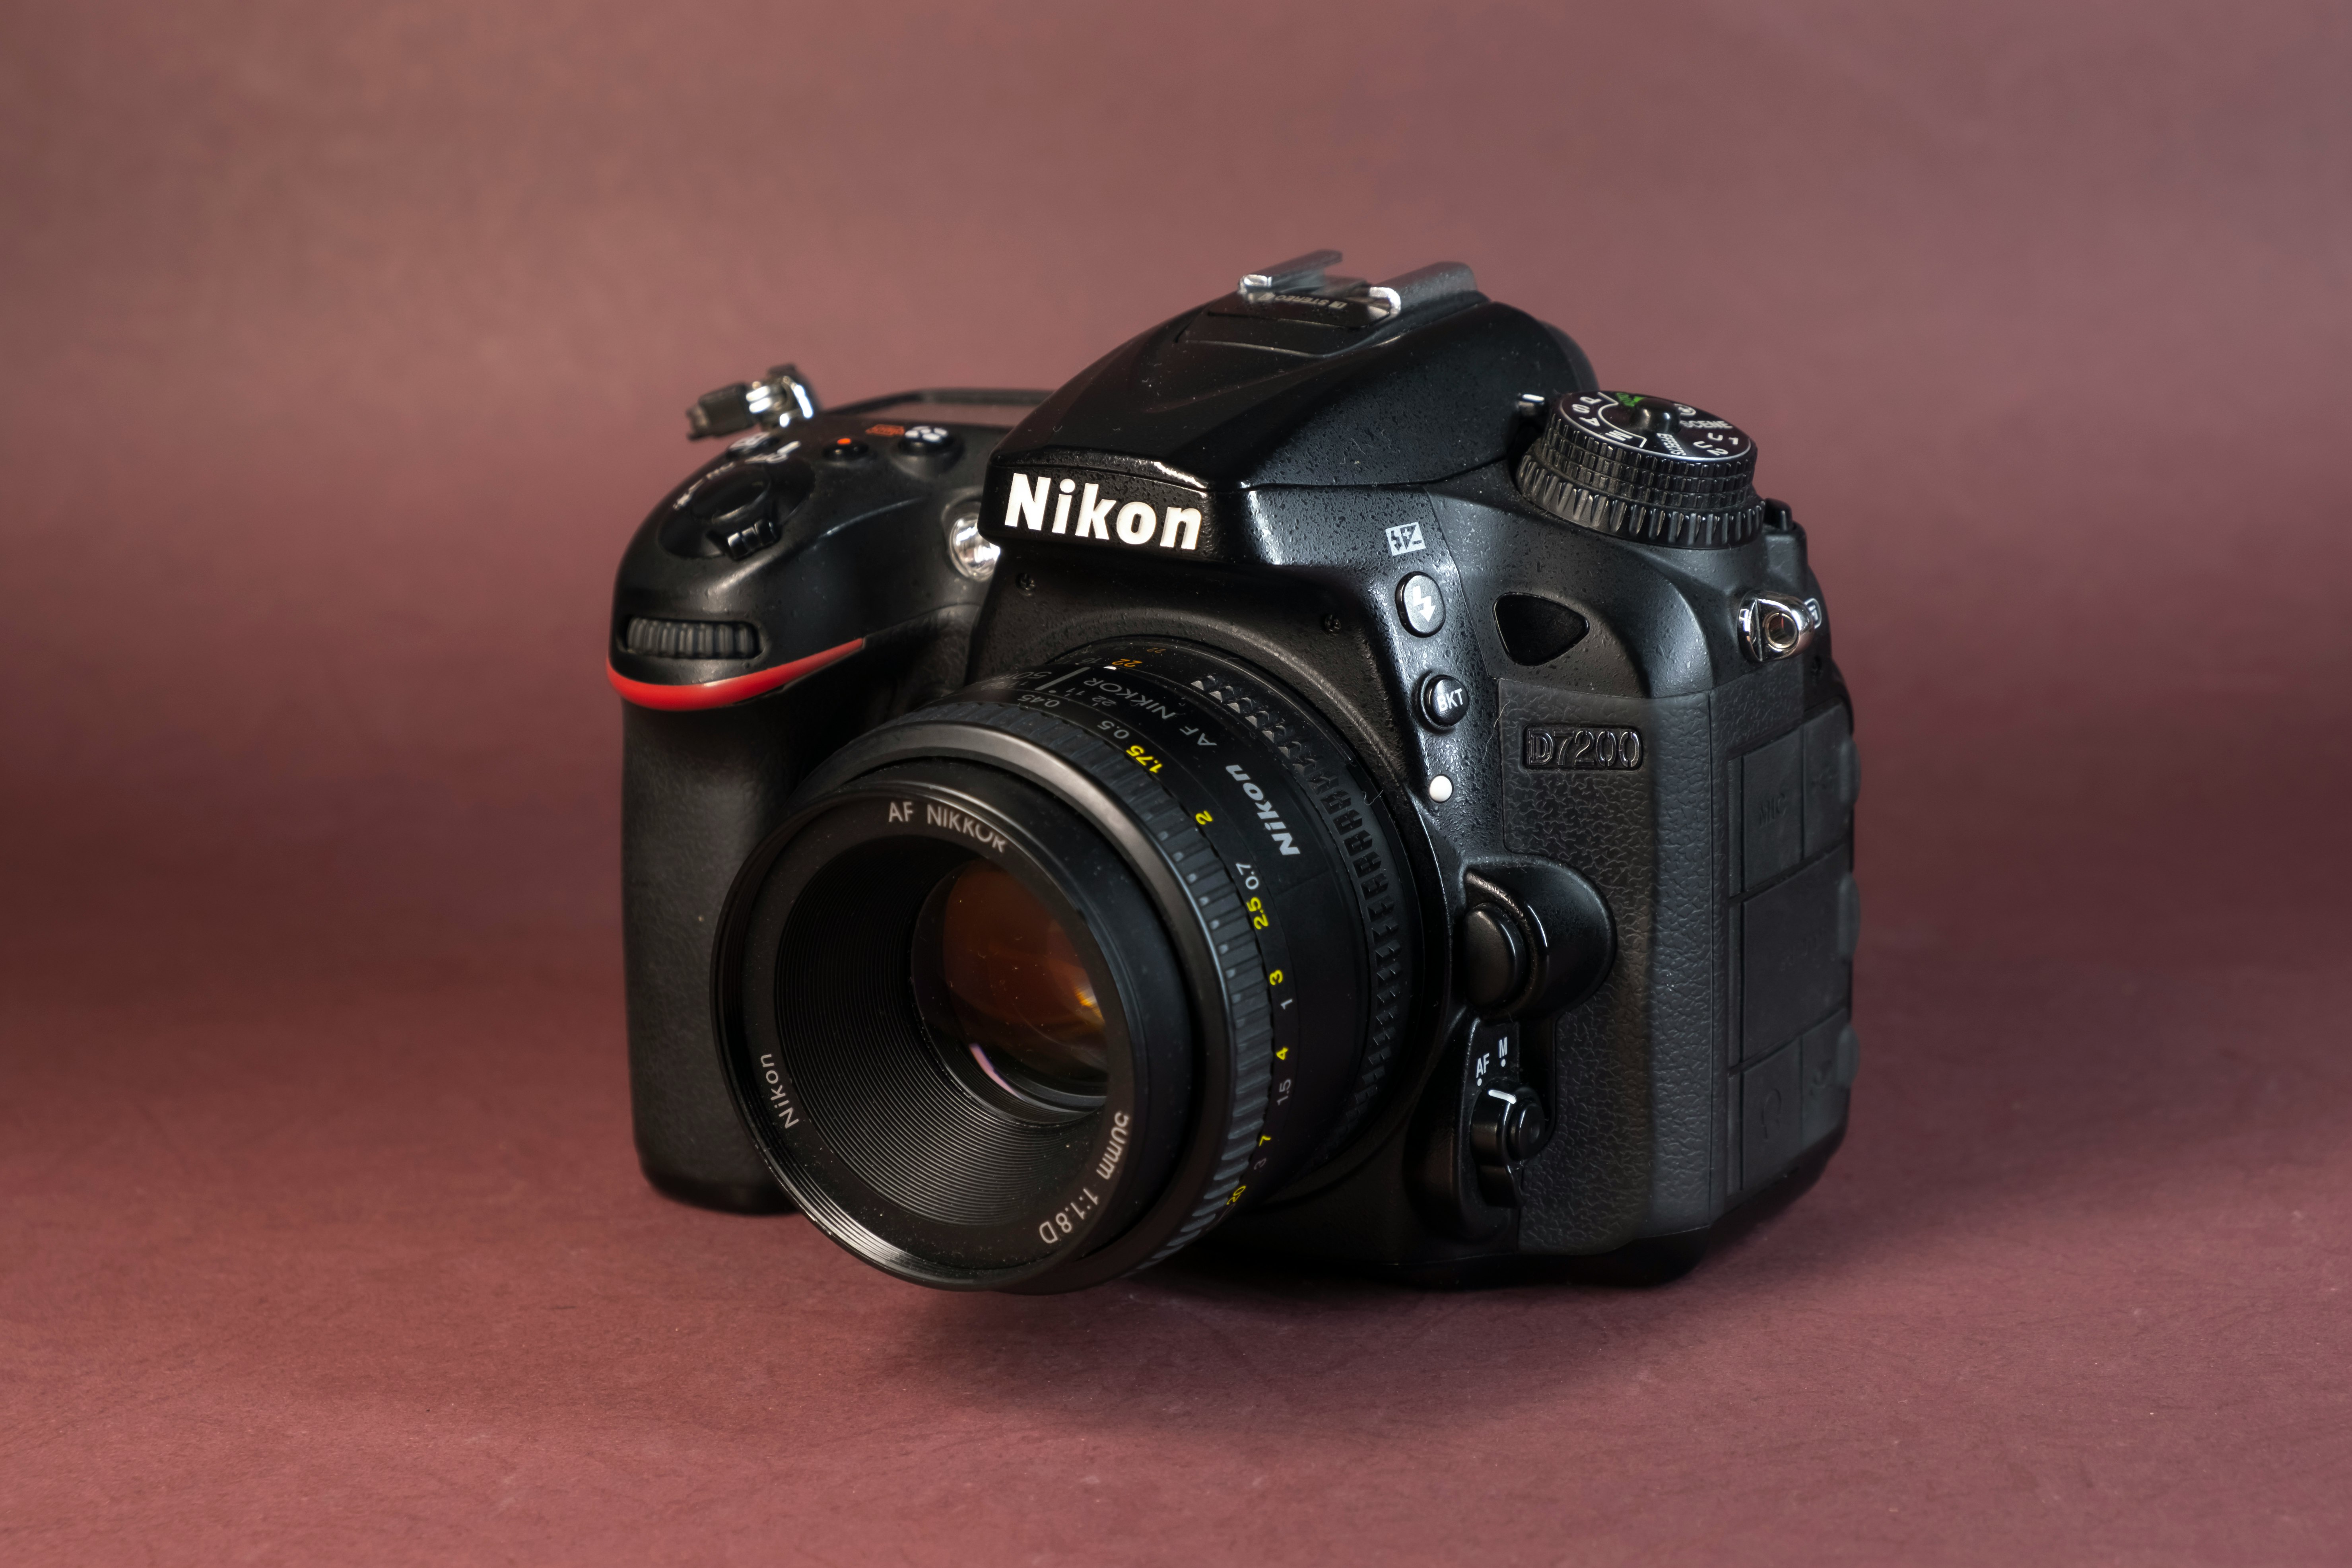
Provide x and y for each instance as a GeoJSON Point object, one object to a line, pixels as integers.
{"type": "Point", "coordinates": [340, 355]}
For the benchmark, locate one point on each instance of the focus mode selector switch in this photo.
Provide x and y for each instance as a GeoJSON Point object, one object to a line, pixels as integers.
{"type": "Point", "coordinates": [1508, 1128]}
{"type": "Point", "coordinates": [1474, 1132]}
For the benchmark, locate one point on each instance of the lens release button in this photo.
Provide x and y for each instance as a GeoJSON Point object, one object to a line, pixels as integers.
{"type": "Point", "coordinates": [1494, 958]}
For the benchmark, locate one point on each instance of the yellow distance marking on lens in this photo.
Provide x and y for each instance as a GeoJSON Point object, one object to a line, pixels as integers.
{"type": "Point", "coordinates": [1202, 817]}
{"type": "Point", "coordinates": [1274, 977]}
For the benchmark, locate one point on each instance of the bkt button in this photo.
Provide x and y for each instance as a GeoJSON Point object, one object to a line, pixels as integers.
{"type": "Point", "coordinates": [1444, 700]}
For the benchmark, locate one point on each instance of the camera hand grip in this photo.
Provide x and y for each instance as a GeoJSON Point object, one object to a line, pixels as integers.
{"type": "Point", "coordinates": [698, 791]}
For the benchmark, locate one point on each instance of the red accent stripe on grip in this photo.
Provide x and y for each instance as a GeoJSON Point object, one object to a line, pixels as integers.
{"type": "Point", "coordinates": [734, 689]}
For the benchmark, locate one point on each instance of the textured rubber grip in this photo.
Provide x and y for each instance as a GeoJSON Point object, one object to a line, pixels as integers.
{"type": "Point", "coordinates": [698, 791]}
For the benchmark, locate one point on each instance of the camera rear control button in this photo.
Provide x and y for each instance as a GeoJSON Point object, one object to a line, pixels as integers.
{"type": "Point", "coordinates": [1444, 700]}
{"type": "Point", "coordinates": [845, 449]}
{"type": "Point", "coordinates": [1421, 605]}
{"type": "Point", "coordinates": [936, 441]}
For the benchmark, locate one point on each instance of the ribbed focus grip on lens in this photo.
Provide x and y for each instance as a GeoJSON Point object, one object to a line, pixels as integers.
{"type": "Point", "coordinates": [1646, 468]}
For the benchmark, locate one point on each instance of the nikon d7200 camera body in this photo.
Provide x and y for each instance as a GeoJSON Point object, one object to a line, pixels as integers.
{"type": "Point", "coordinates": [1329, 778]}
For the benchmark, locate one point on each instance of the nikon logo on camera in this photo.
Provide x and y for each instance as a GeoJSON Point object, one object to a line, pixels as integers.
{"type": "Point", "coordinates": [1043, 503]}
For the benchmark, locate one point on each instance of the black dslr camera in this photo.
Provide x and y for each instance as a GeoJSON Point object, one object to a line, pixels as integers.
{"type": "Point", "coordinates": [1329, 778]}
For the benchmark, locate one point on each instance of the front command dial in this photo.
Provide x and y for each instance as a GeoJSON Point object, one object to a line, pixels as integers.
{"type": "Point", "coordinates": [1647, 468]}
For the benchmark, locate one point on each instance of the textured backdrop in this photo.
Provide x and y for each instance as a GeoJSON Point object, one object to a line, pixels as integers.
{"type": "Point", "coordinates": [338, 352]}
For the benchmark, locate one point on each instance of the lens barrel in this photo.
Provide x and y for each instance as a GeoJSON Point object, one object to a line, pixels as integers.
{"type": "Point", "coordinates": [1039, 984]}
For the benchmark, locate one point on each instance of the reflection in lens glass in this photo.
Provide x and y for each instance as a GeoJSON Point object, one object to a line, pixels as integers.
{"type": "Point", "coordinates": [997, 975]}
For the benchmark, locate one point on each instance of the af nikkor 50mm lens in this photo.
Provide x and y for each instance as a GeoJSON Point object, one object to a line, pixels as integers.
{"type": "Point", "coordinates": [1040, 983]}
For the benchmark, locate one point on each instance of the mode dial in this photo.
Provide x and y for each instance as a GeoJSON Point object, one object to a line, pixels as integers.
{"type": "Point", "coordinates": [1647, 468]}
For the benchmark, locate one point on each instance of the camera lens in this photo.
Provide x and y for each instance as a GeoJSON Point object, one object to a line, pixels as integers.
{"type": "Point", "coordinates": [998, 980]}
{"type": "Point", "coordinates": [1039, 984]}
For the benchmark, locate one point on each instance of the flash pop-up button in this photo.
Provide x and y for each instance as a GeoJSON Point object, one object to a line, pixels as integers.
{"type": "Point", "coordinates": [1420, 604]}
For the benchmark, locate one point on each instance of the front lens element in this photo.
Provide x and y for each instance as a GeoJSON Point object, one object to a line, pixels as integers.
{"type": "Point", "coordinates": [998, 979]}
